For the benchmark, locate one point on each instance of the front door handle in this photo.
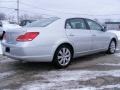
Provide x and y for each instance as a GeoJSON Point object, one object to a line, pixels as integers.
{"type": "Point", "coordinates": [71, 35]}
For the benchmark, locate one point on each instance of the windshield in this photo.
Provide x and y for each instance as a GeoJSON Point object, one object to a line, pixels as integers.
{"type": "Point", "coordinates": [42, 22]}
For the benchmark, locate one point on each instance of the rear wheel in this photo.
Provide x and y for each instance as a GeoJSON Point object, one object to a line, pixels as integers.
{"type": "Point", "coordinates": [63, 56]}
{"type": "Point", "coordinates": [112, 47]}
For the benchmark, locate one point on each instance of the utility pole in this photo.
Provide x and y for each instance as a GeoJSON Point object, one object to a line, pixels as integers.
{"type": "Point", "coordinates": [17, 11]}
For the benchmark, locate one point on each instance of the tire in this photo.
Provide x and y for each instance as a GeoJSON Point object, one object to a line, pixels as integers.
{"type": "Point", "coordinates": [112, 47]}
{"type": "Point", "coordinates": [63, 56]}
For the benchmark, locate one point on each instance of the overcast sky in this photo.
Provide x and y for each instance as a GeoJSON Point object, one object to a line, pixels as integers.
{"type": "Point", "coordinates": [64, 7]}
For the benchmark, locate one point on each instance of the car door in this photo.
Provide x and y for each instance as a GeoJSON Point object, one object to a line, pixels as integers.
{"type": "Point", "coordinates": [78, 34]}
{"type": "Point", "coordinates": [100, 38]}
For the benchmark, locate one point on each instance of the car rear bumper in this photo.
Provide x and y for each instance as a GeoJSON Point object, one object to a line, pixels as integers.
{"type": "Point", "coordinates": [30, 58]}
{"type": "Point", "coordinates": [32, 54]}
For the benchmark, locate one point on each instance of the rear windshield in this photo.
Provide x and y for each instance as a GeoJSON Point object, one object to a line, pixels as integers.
{"type": "Point", "coordinates": [42, 22]}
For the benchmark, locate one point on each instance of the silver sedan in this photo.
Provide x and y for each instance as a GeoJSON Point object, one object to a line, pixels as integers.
{"type": "Point", "coordinates": [58, 40]}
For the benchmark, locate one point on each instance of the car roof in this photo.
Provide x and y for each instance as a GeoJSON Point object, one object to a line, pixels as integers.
{"type": "Point", "coordinates": [70, 17]}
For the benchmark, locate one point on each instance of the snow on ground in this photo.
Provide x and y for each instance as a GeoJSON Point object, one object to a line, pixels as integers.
{"type": "Point", "coordinates": [37, 86]}
{"type": "Point", "coordinates": [82, 75]}
{"type": "Point", "coordinates": [110, 86]}
{"type": "Point", "coordinates": [61, 78]}
{"type": "Point", "coordinates": [85, 88]}
{"type": "Point", "coordinates": [117, 49]}
{"type": "Point", "coordinates": [109, 64]}
{"type": "Point", "coordinates": [101, 88]}
{"type": "Point", "coordinates": [6, 74]}
{"type": "Point", "coordinates": [117, 54]}
{"type": "Point", "coordinates": [7, 60]}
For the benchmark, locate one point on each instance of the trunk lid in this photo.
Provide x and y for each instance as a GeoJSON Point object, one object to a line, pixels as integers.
{"type": "Point", "coordinates": [11, 35]}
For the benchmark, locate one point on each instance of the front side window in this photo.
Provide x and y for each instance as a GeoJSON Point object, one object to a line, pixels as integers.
{"type": "Point", "coordinates": [93, 25]}
{"type": "Point", "coordinates": [75, 24]}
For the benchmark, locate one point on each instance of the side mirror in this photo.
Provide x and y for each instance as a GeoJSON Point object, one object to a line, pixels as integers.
{"type": "Point", "coordinates": [104, 29]}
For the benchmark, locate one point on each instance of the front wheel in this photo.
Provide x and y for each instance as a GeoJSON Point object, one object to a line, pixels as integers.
{"type": "Point", "coordinates": [112, 47]}
{"type": "Point", "coordinates": [62, 57]}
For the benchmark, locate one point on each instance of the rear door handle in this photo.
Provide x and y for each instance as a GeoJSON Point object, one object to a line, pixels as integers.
{"type": "Point", "coordinates": [71, 35]}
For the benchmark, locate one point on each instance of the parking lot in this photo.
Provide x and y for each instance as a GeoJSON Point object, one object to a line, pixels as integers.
{"type": "Point", "coordinates": [95, 72]}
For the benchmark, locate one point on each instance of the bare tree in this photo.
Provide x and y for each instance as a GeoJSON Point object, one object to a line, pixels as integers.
{"type": "Point", "coordinates": [11, 18]}
{"type": "Point", "coordinates": [24, 17]}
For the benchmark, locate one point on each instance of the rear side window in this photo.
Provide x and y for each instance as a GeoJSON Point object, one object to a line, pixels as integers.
{"type": "Point", "coordinates": [94, 25]}
{"type": "Point", "coordinates": [75, 23]}
{"type": "Point", "coordinates": [42, 22]}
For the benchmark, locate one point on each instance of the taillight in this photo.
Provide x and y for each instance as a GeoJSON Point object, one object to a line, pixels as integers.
{"type": "Point", "coordinates": [29, 36]}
